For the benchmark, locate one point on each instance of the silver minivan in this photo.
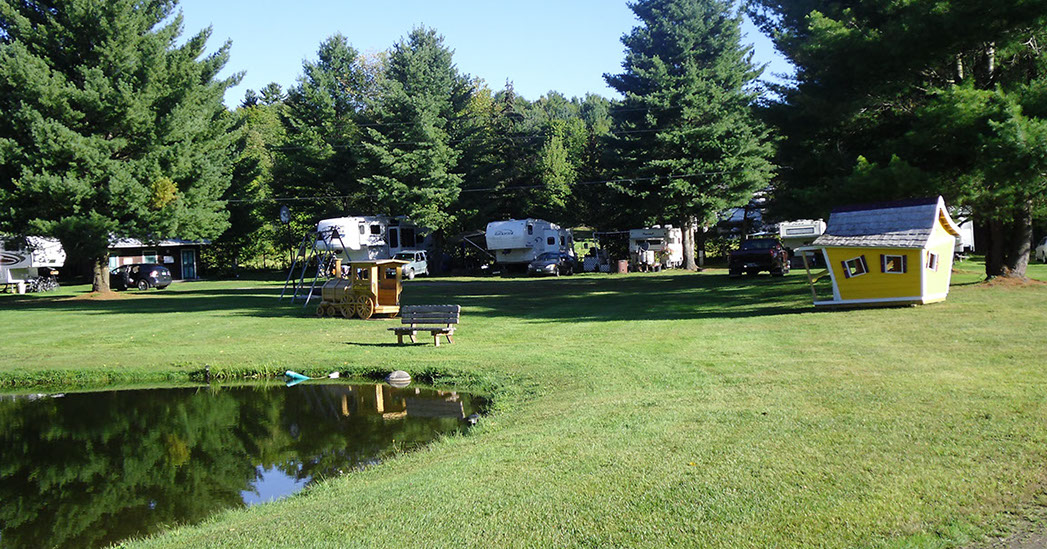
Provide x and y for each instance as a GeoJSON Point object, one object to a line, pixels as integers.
{"type": "Point", "coordinates": [417, 264]}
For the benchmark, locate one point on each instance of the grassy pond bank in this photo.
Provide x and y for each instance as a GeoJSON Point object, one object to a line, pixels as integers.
{"type": "Point", "coordinates": [668, 409]}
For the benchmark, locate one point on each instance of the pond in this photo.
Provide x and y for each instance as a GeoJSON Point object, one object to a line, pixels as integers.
{"type": "Point", "coordinates": [89, 469]}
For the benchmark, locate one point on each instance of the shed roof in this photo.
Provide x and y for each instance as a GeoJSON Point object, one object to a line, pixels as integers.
{"type": "Point", "coordinates": [903, 224]}
{"type": "Point", "coordinates": [117, 243]}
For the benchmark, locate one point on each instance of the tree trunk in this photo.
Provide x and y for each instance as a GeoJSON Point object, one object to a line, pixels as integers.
{"type": "Point", "coordinates": [1010, 245]}
{"type": "Point", "coordinates": [100, 272]}
{"type": "Point", "coordinates": [688, 243]}
{"type": "Point", "coordinates": [700, 231]}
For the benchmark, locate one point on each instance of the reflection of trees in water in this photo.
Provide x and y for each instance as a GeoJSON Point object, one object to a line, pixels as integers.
{"type": "Point", "coordinates": [90, 469]}
{"type": "Point", "coordinates": [81, 474]}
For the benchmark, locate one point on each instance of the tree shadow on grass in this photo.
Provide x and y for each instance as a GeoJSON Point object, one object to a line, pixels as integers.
{"type": "Point", "coordinates": [590, 298]}
{"type": "Point", "coordinates": [624, 297]}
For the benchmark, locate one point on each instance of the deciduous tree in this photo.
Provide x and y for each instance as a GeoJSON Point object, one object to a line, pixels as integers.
{"type": "Point", "coordinates": [901, 99]}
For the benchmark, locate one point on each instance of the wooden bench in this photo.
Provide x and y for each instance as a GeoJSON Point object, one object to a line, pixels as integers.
{"type": "Point", "coordinates": [438, 320]}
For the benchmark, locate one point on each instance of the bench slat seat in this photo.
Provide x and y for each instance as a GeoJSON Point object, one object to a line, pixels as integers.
{"type": "Point", "coordinates": [424, 318]}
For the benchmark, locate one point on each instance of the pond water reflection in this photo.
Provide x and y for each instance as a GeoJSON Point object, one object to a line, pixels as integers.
{"type": "Point", "coordinates": [90, 469]}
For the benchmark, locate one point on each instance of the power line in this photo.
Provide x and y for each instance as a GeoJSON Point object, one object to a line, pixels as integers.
{"type": "Point", "coordinates": [495, 189]}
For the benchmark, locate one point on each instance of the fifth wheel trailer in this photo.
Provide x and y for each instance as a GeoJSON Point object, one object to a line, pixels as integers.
{"type": "Point", "coordinates": [517, 242]}
{"type": "Point", "coordinates": [370, 238]}
{"type": "Point", "coordinates": [25, 258]}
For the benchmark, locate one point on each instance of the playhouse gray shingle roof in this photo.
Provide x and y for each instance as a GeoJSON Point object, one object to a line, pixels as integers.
{"type": "Point", "coordinates": [905, 224]}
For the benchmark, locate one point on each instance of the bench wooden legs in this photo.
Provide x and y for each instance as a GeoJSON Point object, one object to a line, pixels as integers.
{"type": "Point", "coordinates": [436, 337]}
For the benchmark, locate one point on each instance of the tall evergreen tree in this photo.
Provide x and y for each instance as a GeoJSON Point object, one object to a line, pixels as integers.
{"type": "Point", "coordinates": [109, 126]}
{"type": "Point", "coordinates": [252, 227]}
{"type": "Point", "coordinates": [326, 110]}
{"type": "Point", "coordinates": [947, 99]}
{"type": "Point", "coordinates": [687, 139]}
{"type": "Point", "coordinates": [415, 160]}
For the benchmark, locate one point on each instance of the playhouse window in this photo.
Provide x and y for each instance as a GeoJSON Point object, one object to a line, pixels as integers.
{"type": "Point", "coordinates": [551, 241]}
{"type": "Point", "coordinates": [893, 264]}
{"type": "Point", "coordinates": [561, 241]}
{"type": "Point", "coordinates": [932, 261]}
{"type": "Point", "coordinates": [855, 267]}
{"type": "Point", "coordinates": [530, 229]}
{"type": "Point", "coordinates": [363, 229]}
{"type": "Point", "coordinates": [376, 229]}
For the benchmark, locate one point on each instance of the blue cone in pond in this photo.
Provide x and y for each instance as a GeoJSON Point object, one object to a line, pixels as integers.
{"type": "Point", "coordinates": [295, 375]}
{"type": "Point", "coordinates": [296, 381]}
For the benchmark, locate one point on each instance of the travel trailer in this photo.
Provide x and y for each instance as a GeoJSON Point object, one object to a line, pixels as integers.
{"type": "Point", "coordinates": [24, 259]}
{"type": "Point", "coordinates": [370, 238]}
{"type": "Point", "coordinates": [517, 242]}
{"type": "Point", "coordinates": [658, 246]}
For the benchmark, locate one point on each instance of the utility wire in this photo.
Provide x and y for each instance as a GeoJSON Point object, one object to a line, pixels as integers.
{"type": "Point", "coordinates": [493, 189]}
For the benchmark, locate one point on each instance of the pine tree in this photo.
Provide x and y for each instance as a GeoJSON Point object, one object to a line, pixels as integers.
{"type": "Point", "coordinates": [687, 141]}
{"type": "Point", "coordinates": [902, 99]}
{"type": "Point", "coordinates": [108, 126]}
{"type": "Point", "coordinates": [414, 159]}
{"type": "Point", "coordinates": [253, 228]}
{"type": "Point", "coordinates": [326, 113]}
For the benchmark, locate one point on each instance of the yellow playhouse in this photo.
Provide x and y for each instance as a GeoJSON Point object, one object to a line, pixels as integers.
{"type": "Point", "coordinates": [886, 254]}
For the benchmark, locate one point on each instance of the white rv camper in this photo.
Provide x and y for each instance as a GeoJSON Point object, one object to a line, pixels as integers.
{"type": "Point", "coordinates": [794, 234]}
{"type": "Point", "coordinates": [965, 242]}
{"type": "Point", "coordinates": [520, 241]}
{"type": "Point", "coordinates": [660, 246]}
{"type": "Point", "coordinates": [800, 233]}
{"type": "Point", "coordinates": [367, 238]}
{"type": "Point", "coordinates": [28, 258]}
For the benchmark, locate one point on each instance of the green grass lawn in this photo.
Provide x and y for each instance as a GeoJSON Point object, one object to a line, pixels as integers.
{"type": "Point", "coordinates": [642, 410]}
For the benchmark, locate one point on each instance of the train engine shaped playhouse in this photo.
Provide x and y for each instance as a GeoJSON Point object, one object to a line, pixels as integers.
{"type": "Point", "coordinates": [369, 288]}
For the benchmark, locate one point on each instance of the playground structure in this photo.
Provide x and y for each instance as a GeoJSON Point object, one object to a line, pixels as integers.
{"type": "Point", "coordinates": [371, 288]}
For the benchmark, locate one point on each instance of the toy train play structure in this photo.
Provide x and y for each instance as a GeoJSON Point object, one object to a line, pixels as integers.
{"type": "Point", "coordinates": [365, 289]}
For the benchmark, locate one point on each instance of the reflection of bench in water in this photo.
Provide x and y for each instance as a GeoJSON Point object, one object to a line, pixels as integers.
{"type": "Point", "coordinates": [425, 407]}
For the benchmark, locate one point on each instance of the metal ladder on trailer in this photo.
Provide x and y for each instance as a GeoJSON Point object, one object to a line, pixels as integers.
{"type": "Point", "coordinates": [307, 252]}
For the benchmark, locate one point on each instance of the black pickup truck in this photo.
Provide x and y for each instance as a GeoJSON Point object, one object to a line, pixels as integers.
{"type": "Point", "coordinates": [759, 254]}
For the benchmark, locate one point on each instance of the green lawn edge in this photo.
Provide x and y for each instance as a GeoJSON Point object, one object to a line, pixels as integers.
{"type": "Point", "coordinates": [534, 475]}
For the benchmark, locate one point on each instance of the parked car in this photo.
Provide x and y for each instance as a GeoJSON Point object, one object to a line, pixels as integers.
{"type": "Point", "coordinates": [417, 263]}
{"type": "Point", "coordinates": [1041, 250]}
{"type": "Point", "coordinates": [759, 254]}
{"type": "Point", "coordinates": [140, 275]}
{"type": "Point", "coordinates": [552, 263]}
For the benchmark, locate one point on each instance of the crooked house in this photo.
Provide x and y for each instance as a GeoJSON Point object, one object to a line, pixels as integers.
{"type": "Point", "coordinates": [894, 253]}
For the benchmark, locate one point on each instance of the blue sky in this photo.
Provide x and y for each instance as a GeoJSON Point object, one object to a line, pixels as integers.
{"type": "Point", "coordinates": [540, 45]}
